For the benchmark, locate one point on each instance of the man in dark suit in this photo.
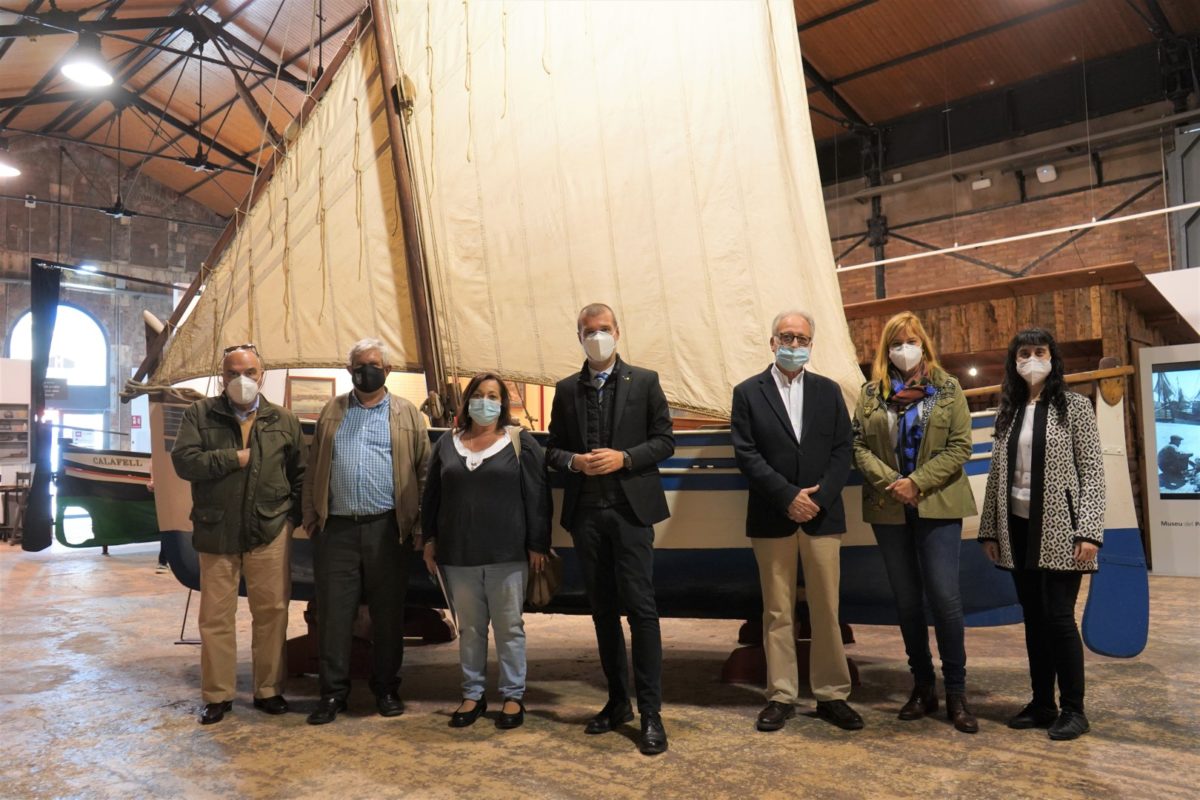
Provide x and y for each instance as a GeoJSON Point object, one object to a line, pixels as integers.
{"type": "Point", "coordinates": [609, 429]}
{"type": "Point", "coordinates": [791, 437]}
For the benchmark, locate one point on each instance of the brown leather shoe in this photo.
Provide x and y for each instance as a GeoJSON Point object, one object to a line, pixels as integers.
{"type": "Point", "coordinates": [775, 715]}
{"type": "Point", "coordinates": [958, 713]}
{"type": "Point", "coordinates": [922, 701]}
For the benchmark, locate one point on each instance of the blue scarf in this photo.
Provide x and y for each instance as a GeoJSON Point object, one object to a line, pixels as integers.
{"type": "Point", "coordinates": [908, 421]}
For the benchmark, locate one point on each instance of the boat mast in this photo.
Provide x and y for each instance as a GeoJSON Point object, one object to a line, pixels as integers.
{"type": "Point", "coordinates": [417, 286]}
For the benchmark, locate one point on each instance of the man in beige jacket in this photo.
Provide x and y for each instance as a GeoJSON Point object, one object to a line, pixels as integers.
{"type": "Point", "coordinates": [362, 491]}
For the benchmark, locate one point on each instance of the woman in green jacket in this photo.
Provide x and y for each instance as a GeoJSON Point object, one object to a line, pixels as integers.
{"type": "Point", "coordinates": [912, 435]}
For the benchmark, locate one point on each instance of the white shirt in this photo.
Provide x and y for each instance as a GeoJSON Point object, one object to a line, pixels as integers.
{"type": "Point", "coordinates": [474, 459]}
{"type": "Point", "coordinates": [1023, 472]}
{"type": "Point", "coordinates": [792, 394]}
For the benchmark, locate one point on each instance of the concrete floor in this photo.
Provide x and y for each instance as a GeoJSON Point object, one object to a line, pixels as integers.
{"type": "Point", "coordinates": [97, 701]}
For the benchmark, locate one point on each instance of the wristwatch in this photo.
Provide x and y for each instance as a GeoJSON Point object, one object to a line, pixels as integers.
{"type": "Point", "coordinates": [628, 460]}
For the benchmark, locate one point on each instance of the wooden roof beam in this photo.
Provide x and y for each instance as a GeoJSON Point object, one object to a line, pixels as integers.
{"type": "Point", "coordinates": [336, 30]}
{"type": "Point", "coordinates": [260, 116]}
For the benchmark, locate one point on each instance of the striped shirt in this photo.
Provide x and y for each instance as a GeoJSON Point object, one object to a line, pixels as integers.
{"type": "Point", "coordinates": [360, 477]}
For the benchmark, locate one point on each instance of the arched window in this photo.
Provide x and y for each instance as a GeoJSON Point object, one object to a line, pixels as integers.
{"type": "Point", "coordinates": [79, 358]}
{"type": "Point", "coordinates": [78, 353]}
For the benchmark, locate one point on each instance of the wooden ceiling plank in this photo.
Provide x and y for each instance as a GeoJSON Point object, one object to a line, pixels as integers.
{"type": "Point", "coordinates": [832, 15]}
{"type": "Point", "coordinates": [30, 8]}
{"type": "Point", "coordinates": [958, 40]}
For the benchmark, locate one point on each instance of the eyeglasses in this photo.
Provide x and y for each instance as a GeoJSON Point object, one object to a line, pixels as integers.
{"type": "Point", "coordinates": [236, 347]}
{"type": "Point", "coordinates": [789, 339]}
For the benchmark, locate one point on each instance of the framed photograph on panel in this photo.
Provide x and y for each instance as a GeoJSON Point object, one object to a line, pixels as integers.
{"type": "Point", "coordinates": [306, 396]}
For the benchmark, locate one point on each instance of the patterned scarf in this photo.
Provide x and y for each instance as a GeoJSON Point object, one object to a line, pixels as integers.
{"type": "Point", "coordinates": [906, 399]}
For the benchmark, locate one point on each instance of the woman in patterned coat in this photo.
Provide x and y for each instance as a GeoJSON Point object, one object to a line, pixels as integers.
{"type": "Point", "coordinates": [1043, 519]}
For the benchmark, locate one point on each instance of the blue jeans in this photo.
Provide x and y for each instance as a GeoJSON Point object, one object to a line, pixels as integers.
{"type": "Point", "coordinates": [921, 557]}
{"type": "Point", "coordinates": [495, 593]}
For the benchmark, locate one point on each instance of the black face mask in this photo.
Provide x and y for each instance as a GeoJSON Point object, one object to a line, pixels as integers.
{"type": "Point", "coordinates": [368, 378]}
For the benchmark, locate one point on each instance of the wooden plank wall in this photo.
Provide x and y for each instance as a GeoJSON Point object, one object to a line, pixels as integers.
{"type": "Point", "coordinates": [1075, 314]}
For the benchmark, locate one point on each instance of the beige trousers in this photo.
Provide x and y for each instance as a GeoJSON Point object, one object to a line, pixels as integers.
{"type": "Point", "coordinates": [268, 588]}
{"type": "Point", "coordinates": [829, 674]}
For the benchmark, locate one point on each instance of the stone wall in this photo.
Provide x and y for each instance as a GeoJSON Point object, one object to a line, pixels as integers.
{"type": "Point", "coordinates": [167, 250]}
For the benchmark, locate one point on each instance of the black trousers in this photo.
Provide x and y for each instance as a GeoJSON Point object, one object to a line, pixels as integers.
{"type": "Point", "coordinates": [1051, 635]}
{"type": "Point", "coordinates": [355, 562]}
{"type": "Point", "coordinates": [616, 554]}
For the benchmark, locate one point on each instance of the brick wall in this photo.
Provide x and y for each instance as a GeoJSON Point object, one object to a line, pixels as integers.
{"type": "Point", "coordinates": [1133, 181]}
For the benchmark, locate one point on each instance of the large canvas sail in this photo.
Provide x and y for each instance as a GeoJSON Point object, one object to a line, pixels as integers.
{"type": "Point", "coordinates": [563, 153]}
{"type": "Point", "coordinates": [656, 156]}
{"type": "Point", "coordinates": [318, 261]}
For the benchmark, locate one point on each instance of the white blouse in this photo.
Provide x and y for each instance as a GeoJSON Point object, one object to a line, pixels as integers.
{"type": "Point", "coordinates": [475, 459]}
{"type": "Point", "coordinates": [1023, 474]}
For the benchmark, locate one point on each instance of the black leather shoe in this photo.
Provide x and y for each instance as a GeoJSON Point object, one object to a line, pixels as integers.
{"type": "Point", "coordinates": [1033, 716]}
{"type": "Point", "coordinates": [958, 713]}
{"type": "Point", "coordinates": [326, 711]}
{"type": "Point", "coordinates": [389, 705]}
{"type": "Point", "coordinates": [839, 713]}
{"type": "Point", "coordinates": [654, 735]}
{"type": "Point", "coordinates": [922, 701]}
{"type": "Point", "coordinates": [462, 719]}
{"type": "Point", "coordinates": [612, 715]}
{"type": "Point", "coordinates": [775, 715]}
{"type": "Point", "coordinates": [1069, 725]}
{"type": "Point", "coordinates": [215, 712]}
{"type": "Point", "coordinates": [507, 721]}
{"type": "Point", "coordinates": [271, 705]}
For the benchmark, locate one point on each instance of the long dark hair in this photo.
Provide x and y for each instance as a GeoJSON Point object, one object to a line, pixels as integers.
{"type": "Point", "coordinates": [1014, 393]}
{"type": "Point", "coordinates": [464, 419]}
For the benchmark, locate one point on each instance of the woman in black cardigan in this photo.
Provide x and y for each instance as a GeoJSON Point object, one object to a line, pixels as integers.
{"type": "Point", "coordinates": [486, 518]}
{"type": "Point", "coordinates": [1043, 519]}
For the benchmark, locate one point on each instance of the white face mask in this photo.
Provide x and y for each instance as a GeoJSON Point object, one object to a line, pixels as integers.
{"type": "Point", "coordinates": [905, 356]}
{"type": "Point", "coordinates": [242, 390]}
{"type": "Point", "coordinates": [599, 346]}
{"type": "Point", "coordinates": [1033, 370]}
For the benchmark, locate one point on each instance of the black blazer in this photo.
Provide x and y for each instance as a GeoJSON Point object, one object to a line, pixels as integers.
{"type": "Point", "coordinates": [641, 427]}
{"type": "Point", "coordinates": [778, 466]}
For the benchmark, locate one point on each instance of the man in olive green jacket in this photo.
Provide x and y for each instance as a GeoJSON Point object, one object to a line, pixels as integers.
{"type": "Point", "coordinates": [245, 458]}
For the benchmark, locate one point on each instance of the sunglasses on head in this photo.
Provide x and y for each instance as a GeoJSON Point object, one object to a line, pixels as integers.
{"type": "Point", "coordinates": [236, 347]}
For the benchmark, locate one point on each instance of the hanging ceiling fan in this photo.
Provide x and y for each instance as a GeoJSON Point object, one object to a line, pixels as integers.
{"type": "Point", "coordinates": [200, 162]}
{"type": "Point", "coordinates": [118, 210]}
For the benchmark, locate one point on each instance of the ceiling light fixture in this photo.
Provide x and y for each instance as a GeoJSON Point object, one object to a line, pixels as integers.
{"type": "Point", "coordinates": [7, 168]}
{"type": "Point", "coordinates": [85, 64]}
